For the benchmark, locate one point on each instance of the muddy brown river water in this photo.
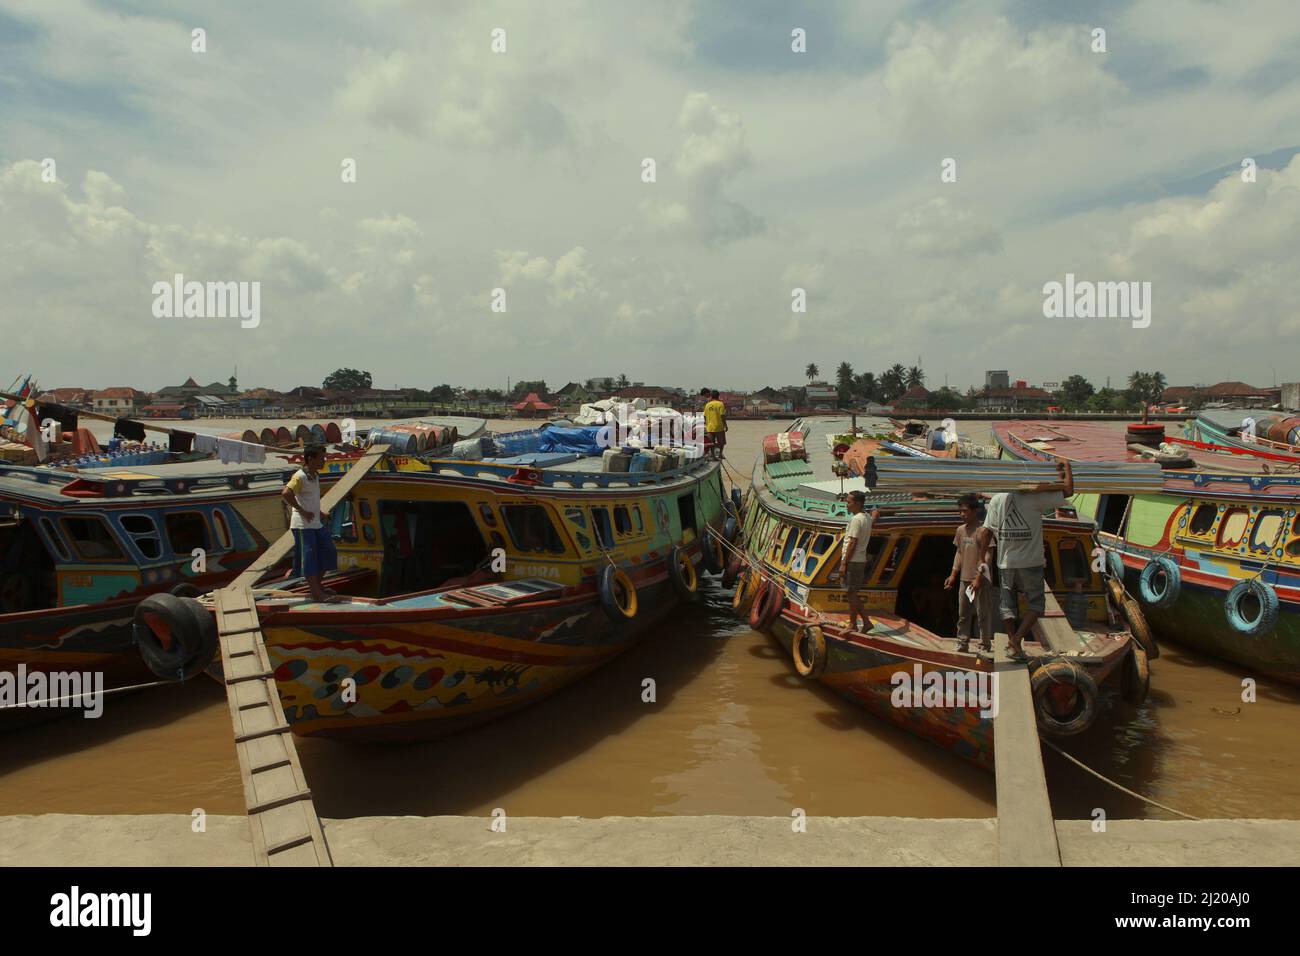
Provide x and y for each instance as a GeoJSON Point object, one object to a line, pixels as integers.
{"type": "Point", "coordinates": [733, 731]}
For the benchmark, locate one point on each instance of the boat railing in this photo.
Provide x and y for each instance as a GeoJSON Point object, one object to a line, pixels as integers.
{"type": "Point", "coordinates": [553, 478]}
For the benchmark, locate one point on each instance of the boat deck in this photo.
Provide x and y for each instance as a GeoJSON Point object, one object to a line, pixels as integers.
{"type": "Point", "coordinates": [1211, 472]}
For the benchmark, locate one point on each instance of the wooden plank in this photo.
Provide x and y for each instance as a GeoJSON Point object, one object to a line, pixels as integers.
{"type": "Point", "coordinates": [285, 827]}
{"type": "Point", "coordinates": [1026, 828]}
{"type": "Point", "coordinates": [278, 551]}
{"type": "Point", "coordinates": [1053, 629]}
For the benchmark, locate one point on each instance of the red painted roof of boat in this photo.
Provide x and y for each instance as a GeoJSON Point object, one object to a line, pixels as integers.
{"type": "Point", "coordinates": [1104, 441]}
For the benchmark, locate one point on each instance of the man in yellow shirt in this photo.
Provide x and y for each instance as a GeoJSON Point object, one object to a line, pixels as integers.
{"type": "Point", "coordinates": [715, 425]}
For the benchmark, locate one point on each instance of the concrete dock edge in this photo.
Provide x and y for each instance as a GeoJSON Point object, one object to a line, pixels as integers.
{"type": "Point", "coordinates": [167, 840]}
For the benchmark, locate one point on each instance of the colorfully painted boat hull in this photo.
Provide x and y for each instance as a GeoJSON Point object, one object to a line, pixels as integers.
{"type": "Point", "coordinates": [423, 679]}
{"type": "Point", "coordinates": [864, 675]}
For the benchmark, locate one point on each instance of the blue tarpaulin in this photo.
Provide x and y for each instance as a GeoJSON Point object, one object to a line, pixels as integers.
{"type": "Point", "coordinates": [578, 440]}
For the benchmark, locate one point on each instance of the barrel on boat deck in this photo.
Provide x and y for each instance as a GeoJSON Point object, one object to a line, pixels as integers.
{"type": "Point", "coordinates": [785, 446]}
{"type": "Point", "coordinates": [283, 437]}
{"type": "Point", "coordinates": [268, 437]}
{"type": "Point", "coordinates": [1285, 429]}
{"type": "Point", "coordinates": [403, 443]}
{"type": "Point", "coordinates": [318, 434]}
{"type": "Point", "coordinates": [333, 434]}
{"type": "Point", "coordinates": [421, 433]}
{"type": "Point", "coordinates": [302, 433]}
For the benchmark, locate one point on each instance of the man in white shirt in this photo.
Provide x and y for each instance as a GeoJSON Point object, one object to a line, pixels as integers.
{"type": "Point", "coordinates": [853, 558]}
{"type": "Point", "coordinates": [314, 553]}
{"type": "Point", "coordinates": [1015, 520]}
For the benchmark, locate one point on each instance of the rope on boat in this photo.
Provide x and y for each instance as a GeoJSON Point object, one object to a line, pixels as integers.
{"type": "Point", "coordinates": [1117, 786]}
{"type": "Point", "coordinates": [47, 702]}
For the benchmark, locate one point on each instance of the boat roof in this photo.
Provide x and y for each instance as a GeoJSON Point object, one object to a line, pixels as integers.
{"type": "Point", "coordinates": [810, 489]}
{"type": "Point", "coordinates": [1210, 471]}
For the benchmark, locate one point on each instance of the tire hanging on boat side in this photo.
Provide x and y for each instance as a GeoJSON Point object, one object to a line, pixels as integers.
{"type": "Point", "coordinates": [1135, 679]}
{"type": "Point", "coordinates": [176, 636]}
{"type": "Point", "coordinates": [767, 606]}
{"type": "Point", "coordinates": [681, 572]}
{"type": "Point", "coordinates": [1047, 681]}
{"type": "Point", "coordinates": [614, 581]}
{"type": "Point", "coordinates": [812, 666]}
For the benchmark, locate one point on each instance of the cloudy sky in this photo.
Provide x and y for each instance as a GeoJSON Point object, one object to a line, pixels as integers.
{"type": "Point", "coordinates": [522, 170]}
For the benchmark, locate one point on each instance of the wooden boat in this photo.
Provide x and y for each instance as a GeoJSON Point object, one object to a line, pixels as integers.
{"type": "Point", "coordinates": [79, 549]}
{"type": "Point", "coordinates": [1214, 557]}
{"type": "Point", "coordinates": [1223, 429]}
{"type": "Point", "coordinates": [476, 588]}
{"type": "Point", "coordinates": [794, 523]}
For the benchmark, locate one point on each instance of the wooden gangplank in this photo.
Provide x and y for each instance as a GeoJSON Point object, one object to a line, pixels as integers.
{"type": "Point", "coordinates": [278, 551]}
{"type": "Point", "coordinates": [1054, 631]}
{"type": "Point", "coordinates": [286, 828]}
{"type": "Point", "coordinates": [1026, 828]}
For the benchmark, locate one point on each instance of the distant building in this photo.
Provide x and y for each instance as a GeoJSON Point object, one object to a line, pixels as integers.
{"type": "Point", "coordinates": [820, 393]}
{"type": "Point", "coordinates": [120, 402]}
{"type": "Point", "coordinates": [1291, 395]}
{"type": "Point", "coordinates": [918, 396]}
{"type": "Point", "coordinates": [997, 380]}
{"type": "Point", "coordinates": [1023, 398]}
{"type": "Point", "coordinates": [654, 394]}
{"type": "Point", "coordinates": [71, 397]}
{"type": "Point", "coordinates": [190, 389]}
{"type": "Point", "coordinates": [1235, 394]}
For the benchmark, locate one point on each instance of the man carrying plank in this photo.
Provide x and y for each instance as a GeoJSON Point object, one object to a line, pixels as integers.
{"type": "Point", "coordinates": [1015, 520]}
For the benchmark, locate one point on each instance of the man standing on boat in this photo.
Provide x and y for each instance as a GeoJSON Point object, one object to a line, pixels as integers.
{"type": "Point", "coordinates": [967, 565]}
{"type": "Point", "coordinates": [314, 553]}
{"type": "Point", "coordinates": [1015, 520]}
{"type": "Point", "coordinates": [715, 424]}
{"type": "Point", "coordinates": [853, 558]}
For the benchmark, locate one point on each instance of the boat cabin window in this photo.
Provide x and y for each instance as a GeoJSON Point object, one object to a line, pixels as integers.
{"type": "Point", "coordinates": [604, 533]}
{"type": "Point", "coordinates": [143, 534]}
{"type": "Point", "coordinates": [1111, 518]}
{"type": "Point", "coordinates": [1233, 527]}
{"type": "Point", "coordinates": [622, 520]}
{"type": "Point", "coordinates": [686, 512]}
{"type": "Point", "coordinates": [487, 514]}
{"type": "Point", "coordinates": [55, 540]}
{"type": "Point", "coordinates": [27, 569]}
{"type": "Point", "coordinates": [531, 529]}
{"type": "Point", "coordinates": [1268, 530]}
{"type": "Point", "coordinates": [187, 530]}
{"type": "Point", "coordinates": [427, 544]}
{"type": "Point", "coordinates": [1049, 566]}
{"type": "Point", "coordinates": [1202, 519]}
{"type": "Point", "coordinates": [92, 539]}
{"type": "Point", "coordinates": [637, 519]}
{"type": "Point", "coordinates": [791, 542]}
{"type": "Point", "coordinates": [223, 529]}
{"type": "Point", "coordinates": [1293, 549]}
{"type": "Point", "coordinates": [822, 543]}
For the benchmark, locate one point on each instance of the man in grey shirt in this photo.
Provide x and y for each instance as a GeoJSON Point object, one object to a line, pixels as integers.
{"type": "Point", "coordinates": [1015, 519]}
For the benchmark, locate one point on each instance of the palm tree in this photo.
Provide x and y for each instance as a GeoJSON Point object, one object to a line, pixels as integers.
{"type": "Point", "coordinates": [867, 386]}
{"type": "Point", "coordinates": [914, 377]}
{"type": "Point", "coordinates": [811, 372]}
{"type": "Point", "coordinates": [844, 377]}
{"type": "Point", "coordinates": [891, 382]}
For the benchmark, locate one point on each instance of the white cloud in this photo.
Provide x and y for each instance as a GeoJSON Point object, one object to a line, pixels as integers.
{"type": "Point", "coordinates": [712, 153]}
{"type": "Point", "coordinates": [990, 78]}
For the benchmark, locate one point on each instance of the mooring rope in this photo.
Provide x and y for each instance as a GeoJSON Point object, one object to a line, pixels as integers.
{"type": "Point", "coordinates": [46, 702]}
{"type": "Point", "coordinates": [1117, 786]}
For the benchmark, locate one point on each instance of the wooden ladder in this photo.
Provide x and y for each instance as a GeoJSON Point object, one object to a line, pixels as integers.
{"type": "Point", "coordinates": [286, 828]}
